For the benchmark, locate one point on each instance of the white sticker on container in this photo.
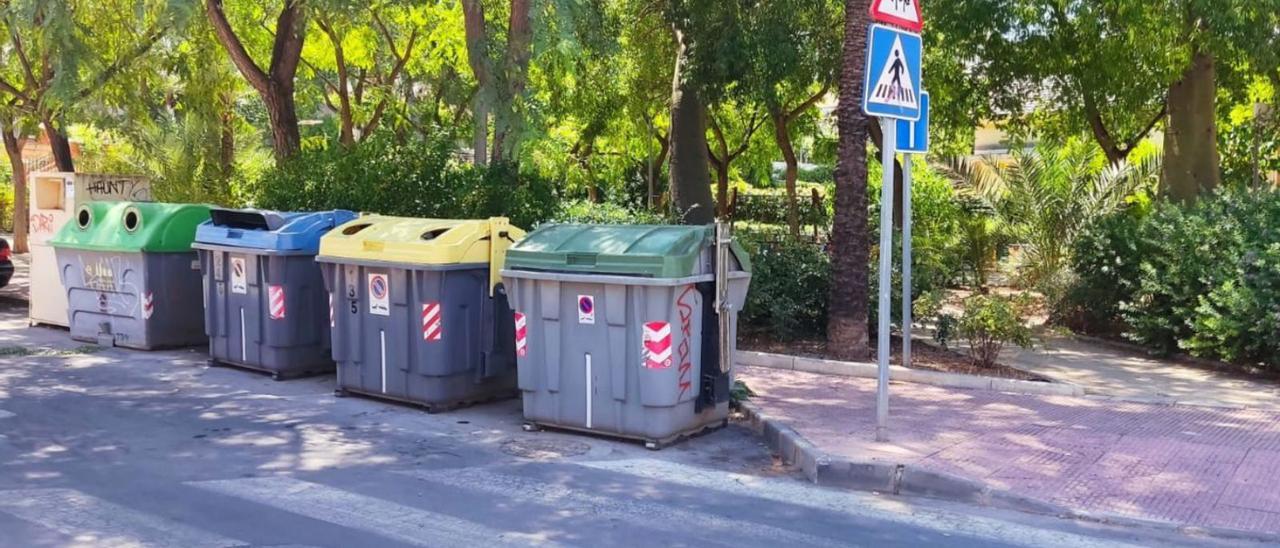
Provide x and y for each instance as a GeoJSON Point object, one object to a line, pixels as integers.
{"type": "Point", "coordinates": [379, 295]}
{"type": "Point", "coordinates": [239, 283]}
{"type": "Point", "coordinates": [586, 309]}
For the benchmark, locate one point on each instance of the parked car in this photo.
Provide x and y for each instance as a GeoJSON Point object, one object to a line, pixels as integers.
{"type": "Point", "coordinates": [6, 263]}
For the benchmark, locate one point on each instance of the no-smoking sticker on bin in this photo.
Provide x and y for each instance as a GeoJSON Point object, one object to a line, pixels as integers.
{"type": "Point", "coordinates": [239, 284]}
{"type": "Point", "coordinates": [586, 309]}
{"type": "Point", "coordinates": [379, 295]}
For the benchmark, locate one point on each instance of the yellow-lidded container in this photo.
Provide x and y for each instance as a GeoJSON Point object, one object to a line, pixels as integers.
{"type": "Point", "coordinates": [418, 312]}
{"type": "Point", "coordinates": [423, 241]}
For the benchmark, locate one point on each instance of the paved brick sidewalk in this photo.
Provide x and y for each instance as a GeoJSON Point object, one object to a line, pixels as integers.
{"type": "Point", "coordinates": [1197, 466]}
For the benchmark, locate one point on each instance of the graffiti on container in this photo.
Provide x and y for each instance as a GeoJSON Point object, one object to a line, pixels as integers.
{"type": "Point", "coordinates": [100, 275]}
{"type": "Point", "coordinates": [42, 223]}
{"type": "Point", "coordinates": [108, 278]}
{"type": "Point", "coordinates": [685, 309]}
{"type": "Point", "coordinates": [118, 189]}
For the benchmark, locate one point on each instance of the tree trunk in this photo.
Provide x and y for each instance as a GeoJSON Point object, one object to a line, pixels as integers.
{"type": "Point", "coordinates": [286, 141]}
{"type": "Point", "coordinates": [722, 188]}
{"type": "Point", "coordinates": [477, 39]}
{"type": "Point", "coordinates": [1191, 160]}
{"type": "Point", "coordinates": [480, 140]}
{"type": "Point", "coordinates": [227, 145]}
{"type": "Point", "coordinates": [847, 307]}
{"type": "Point", "coordinates": [346, 116]}
{"type": "Point", "coordinates": [783, 138]}
{"type": "Point", "coordinates": [60, 145]}
{"type": "Point", "coordinates": [13, 147]}
{"type": "Point", "coordinates": [275, 86]}
{"type": "Point", "coordinates": [655, 169]}
{"type": "Point", "coordinates": [690, 179]}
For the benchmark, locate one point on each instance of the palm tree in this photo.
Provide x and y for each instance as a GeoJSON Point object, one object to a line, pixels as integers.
{"type": "Point", "coordinates": [1044, 197]}
{"type": "Point", "coordinates": [848, 304]}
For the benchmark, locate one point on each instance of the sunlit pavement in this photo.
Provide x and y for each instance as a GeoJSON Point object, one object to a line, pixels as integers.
{"type": "Point", "coordinates": [1209, 467]}
{"type": "Point", "coordinates": [108, 447]}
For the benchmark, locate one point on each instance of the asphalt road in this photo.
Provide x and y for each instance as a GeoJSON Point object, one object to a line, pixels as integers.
{"type": "Point", "coordinates": [109, 447]}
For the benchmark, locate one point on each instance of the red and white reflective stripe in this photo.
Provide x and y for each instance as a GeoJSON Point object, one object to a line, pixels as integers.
{"type": "Point", "coordinates": [432, 330]}
{"type": "Point", "coordinates": [522, 332]}
{"type": "Point", "coordinates": [148, 306]}
{"type": "Point", "coordinates": [657, 345]}
{"type": "Point", "coordinates": [331, 318]}
{"type": "Point", "coordinates": [275, 297]}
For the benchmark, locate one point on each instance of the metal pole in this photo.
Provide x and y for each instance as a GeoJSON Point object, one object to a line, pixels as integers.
{"type": "Point", "coordinates": [906, 260]}
{"type": "Point", "coordinates": [889, 131]}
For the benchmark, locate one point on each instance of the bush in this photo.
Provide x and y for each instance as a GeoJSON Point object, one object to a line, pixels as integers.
{"type": "Point", "coordinates": [6, 208]}
{"type": "Point", "coordinates": [990, 322]}
{"type": "Point", "coordinates": [415, 179]}
{"type": "Point", "coordinates": [1188, 252]}
{"type": "Point", "coordinates": [1205, 278]}
{"type": "Point", "coordinates": [1105, 266]}
{"type": "Point", "coordinates": [789, 284]}
{"type": "Point", "coordinates": [606, 213]}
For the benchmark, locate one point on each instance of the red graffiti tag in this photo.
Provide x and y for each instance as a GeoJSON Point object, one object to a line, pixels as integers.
{"type": "Point", "coordinates": [686, 329]}
{"type": "Point", "coordinates": [41, 223]}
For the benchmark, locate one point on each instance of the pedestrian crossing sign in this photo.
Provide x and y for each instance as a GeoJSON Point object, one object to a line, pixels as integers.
{"type": "Point", "coordinates": [892, 85]}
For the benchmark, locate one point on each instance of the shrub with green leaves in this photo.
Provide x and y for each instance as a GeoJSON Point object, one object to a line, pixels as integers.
{"type": "Point", "coordinates": [790, 280]}
{"type": "Point", "coordinates": [1188, 253]}
{"type": "Point", "coordinates": [582, 211]}
{"type": "Point", "coordinates": [990, 322]}
{"type": "Point", "coordinates": [416, 178]}
{"type": "Point", "coordinates": [1204, 278]}
{"type": "Point", "coordinates": [1105, 266]}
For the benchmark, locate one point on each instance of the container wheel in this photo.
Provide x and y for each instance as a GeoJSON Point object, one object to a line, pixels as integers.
{"type": "Point", "coordinates": [652, 445]}
{"type": "Point", "coordinates": [530, 427]}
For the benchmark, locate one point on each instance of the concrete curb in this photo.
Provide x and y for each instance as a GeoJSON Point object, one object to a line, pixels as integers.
{"type": "Point", "coordinates": [899, 479]}
{"type": "Point", "coordinates": [829, 470]}
{"type": "Point", "coordinates": [899, 373]}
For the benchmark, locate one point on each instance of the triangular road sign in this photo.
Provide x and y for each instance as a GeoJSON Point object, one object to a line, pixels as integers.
{"type": "Point", "coordinates": [903, 13]}
{"type": "Point", "coordinates": [894, 86]}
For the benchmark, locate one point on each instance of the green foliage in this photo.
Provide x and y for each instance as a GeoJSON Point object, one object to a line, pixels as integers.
{"type": "Point", "coordinates": [606, 213]}
{"type": "Point", "coordinates": [990, 322]}
{"type": "Point", "coordinates": [417, 178]}
{"type": "Point", "coordinates": [1189, 252]}
{"type": "Point", "coordinates": [6, 207]}
{"type": "Point", "coordinates": [770, 206]}
{"type": "Point", "coordinates": [1204, 279]}
{"type": "Point", "coordinates": [789, 284]}
{"type": "Point", "coordinates": [1105, 268]}
{"type": "Point", "coordinates": [1043, 198]}
{"type": "Point", "coordinates": [937, 236]}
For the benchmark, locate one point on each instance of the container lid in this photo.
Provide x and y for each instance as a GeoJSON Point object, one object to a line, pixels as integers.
{"type": "Point", "coordinates": [269, 230]}
{"type": "Point", "coordinates": [658, 251]}
{"type": "Point", "coordinates": [132, 227]}
{"type": "Point", "coordinates": [416, 241]}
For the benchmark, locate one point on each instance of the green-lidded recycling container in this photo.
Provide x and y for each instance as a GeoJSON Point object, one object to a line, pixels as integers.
{"type": "Point", "coordinates": [617, 331]}
{"type": "Point", "coordinates": [266, 307]}
{"type": "Point", "coordinates": [131, 276]}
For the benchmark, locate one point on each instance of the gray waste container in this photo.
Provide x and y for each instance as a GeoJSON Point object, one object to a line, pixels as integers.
{"type": "Point", "coordinates": [266, 307]}
{"type": "Point", "coordinates": [616, 328]}
{"type": "Point", "coordinates": [130, 274]}
{"type": "Point", "coordinates": [414, 308]}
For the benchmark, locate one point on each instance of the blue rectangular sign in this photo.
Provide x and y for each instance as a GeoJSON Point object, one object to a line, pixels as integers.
{"type": "Point", "coordinates": [892, 86]}
{"type": "Point", "coordinates": [913, 136]}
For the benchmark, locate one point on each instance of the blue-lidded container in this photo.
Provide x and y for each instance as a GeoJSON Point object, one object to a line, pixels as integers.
{"type": "Point", "coordinates": [265, 303]}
